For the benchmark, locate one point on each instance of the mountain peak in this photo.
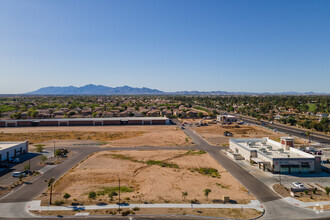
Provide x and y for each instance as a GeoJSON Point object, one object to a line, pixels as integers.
{"type": "Point", "coordinates": [92, 89]}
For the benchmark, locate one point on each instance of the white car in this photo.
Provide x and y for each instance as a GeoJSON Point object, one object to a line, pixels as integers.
{"type": "Point", "coordinates": [298, 185]}
{"type": "Point", "coordinates": [18, 173]}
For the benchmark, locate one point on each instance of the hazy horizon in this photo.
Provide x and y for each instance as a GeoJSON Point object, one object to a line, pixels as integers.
{"type": "Point", "coordinates": [174, 91]}
{"type": "Point", "coordinates": [250, 46]}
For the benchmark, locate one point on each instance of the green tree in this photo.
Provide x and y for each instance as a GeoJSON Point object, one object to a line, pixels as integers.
{"type": "Point", "coordinates": [112, 194]}
{"type": "Point", "coordinates": [20, 177]}
{"type": "Point", "coordinates": [66, 196]}
{"type": "Point", "coordinates": [43, 158]}
{"type": "Point", "coordinates": [327, 190]}
{"type": "Point", "coordinates": [58, 152]}
{"type": "Point", "coordinates": [50, 185]}
{"type": "Point", "coordinates": [184, 195]}
{"type": "Point", "coordinates": [200, 114]}
{"type": "Point", "coordinates": [39, 147]}
{"type": "Point", "coordinates": [26, 167]}
{"type": "Point", "coordinates": [92, 195]}
{"type": "Point", "coordinates": [207, 192]}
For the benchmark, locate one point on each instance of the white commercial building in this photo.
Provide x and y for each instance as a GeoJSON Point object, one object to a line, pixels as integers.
{"type": "Point", "coordinates": [274, 156]}
{"type": "Point", "coordinates": [226, 118]}
{"type": "Point", "coordinates": [10, 150]}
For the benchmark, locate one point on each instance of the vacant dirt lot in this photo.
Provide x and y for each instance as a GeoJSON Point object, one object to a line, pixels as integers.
{"type": "Point", "coordinates": [156, 135]}
{"type": "Point", "coordinates": [149, 176]}
{"type": "Point", "coordinates": [214, 133]}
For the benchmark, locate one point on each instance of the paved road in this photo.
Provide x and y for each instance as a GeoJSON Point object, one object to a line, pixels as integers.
{"type": "Point", "coordinates": [30, 191]}
{"type": "Point", "coordinates": [255, 186]}
{"type": "Point", "coordinates": [6, 175]}
{"type": "Point", "coordinates": [321, 138]}
{"type": "Point", "coordinates": [275, 207]}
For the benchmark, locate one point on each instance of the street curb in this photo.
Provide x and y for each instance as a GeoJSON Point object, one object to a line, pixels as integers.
{"type": "Point", "coordinates": [19, 186]}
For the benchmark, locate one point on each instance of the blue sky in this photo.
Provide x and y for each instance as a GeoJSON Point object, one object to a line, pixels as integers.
{"type": "Point", "coordinates": [171, 45]}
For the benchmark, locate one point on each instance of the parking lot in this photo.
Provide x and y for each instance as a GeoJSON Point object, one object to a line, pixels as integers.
{"type": "Point", "coordinates": [6, 173]}
{"type": "Point", "coordinates": [308, 180]}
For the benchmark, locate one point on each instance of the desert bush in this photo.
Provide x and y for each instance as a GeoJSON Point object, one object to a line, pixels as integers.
{"type": "Point", "coordinates": [59, 202]}
{"type": "Point", "coordinates": [327, 190]}
{"type": "Point", "coordinates": [92, 195]}
{"type": "Point", "coordinates": [208, 171]}
{"type": "Point", "coordinates": [43, 158]}
{"type": "Point", "coordinates": [39, 147]}
{"type": "Point", "coordinates": [66, 195]}
{"type": "Point", "coordinates": [125, 213]}
{"type": "Point", "coordinates": [162, 164]}
{"type": "Point", "coordinates": [136, 209]}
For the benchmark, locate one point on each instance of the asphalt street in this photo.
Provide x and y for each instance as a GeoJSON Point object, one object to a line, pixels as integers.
{"type": "Point", "coordinates": [274, 206]}
{"type": "Point", "coordinates": [321, 138]}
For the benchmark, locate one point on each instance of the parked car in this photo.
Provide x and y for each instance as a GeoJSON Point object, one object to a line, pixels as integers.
{"type": "Point", "coordinates": [298, 185]}
{"type": "Point", "coordinates": [303, 134]}
{"type": "Point", "coordinates": [27, 172]}
{"type": "Point", "coordinates": [15, 160]}
{"type": "Point", "coordinates": [18, 173]}
{"type": "Point", "coordinates": [227, 133]}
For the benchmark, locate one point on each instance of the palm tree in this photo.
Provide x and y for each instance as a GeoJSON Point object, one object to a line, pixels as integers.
{"type": "Point", "coordinates": [207, 192]}
{"type": "Point", "coordinates": [50, 184]}
{"type": "Point", "coordinates": [184, 195]}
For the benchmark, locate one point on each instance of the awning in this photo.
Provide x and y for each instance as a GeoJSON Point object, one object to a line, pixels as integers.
{"type": "Point", "coordinates": [257, 160]}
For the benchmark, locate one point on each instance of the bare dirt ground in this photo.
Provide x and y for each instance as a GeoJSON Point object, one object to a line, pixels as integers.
{"type": "Point", "coordinates": [309, 196]}
{"type": "Point", "coordinates": [214, 133]}
{"type": "Point", "coordinates": [149, 182]}
{"type": "Point", "coordinates": [155, 135]}
{"type": "Point", "coordinates": [225, 213]}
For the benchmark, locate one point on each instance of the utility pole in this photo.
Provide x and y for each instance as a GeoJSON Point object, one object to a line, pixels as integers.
{"type": "Point", "coordinates": [119, 193]}
{"type": "Point", "coordinates": [54, 148]}
{"type": "Point", "coordinates": [29, 162]}
{"type": "Point", "coordinates": [50, 194]}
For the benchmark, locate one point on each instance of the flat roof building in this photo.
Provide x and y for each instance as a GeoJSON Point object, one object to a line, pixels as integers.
{"type": "Point", "coordinates": [86, 121]}
{"type": "Point", "coordinates": [226, 118]}
{"type": "Point", "coordinates": [10, 150]}
{"type": "Point", "coordinates": [274, 156]}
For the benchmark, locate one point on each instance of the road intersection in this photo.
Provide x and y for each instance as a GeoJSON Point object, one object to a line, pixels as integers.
{"type": "Point", "coordinates": [15, 204]}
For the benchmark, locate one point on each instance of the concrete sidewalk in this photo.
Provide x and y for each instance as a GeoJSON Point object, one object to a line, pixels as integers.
{"type": "Point", "coordinates": [297, 202]}
{"type": "Point", "coordinates": [35, 205]}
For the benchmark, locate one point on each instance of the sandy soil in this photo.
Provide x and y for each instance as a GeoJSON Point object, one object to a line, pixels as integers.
{"type": "Point", "coordinates": [156, 135]}
{"type": "Point", "coordinates": [226, 213]}
{"type": "Point", "coordinates": [214, 133]}
{"type": "Point", "coordinates": [151, 183]}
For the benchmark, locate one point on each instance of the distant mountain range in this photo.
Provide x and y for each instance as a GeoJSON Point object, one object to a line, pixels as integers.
{"type": "Point", "coordinates": [127, 90]}
{"type": "Point", "coordinates": [94, 90]}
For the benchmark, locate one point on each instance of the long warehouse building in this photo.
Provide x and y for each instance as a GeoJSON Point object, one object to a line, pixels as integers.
{"type": "Point", "coordinates": [86, 121]}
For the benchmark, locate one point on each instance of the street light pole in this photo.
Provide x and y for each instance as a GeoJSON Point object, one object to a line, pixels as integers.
{"type": "Point", "coordinates": [29, 162]}
{"type": "Point", "coordinates": [54, 149]}
{"type": "Point", "coordinates": [119, 193]}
